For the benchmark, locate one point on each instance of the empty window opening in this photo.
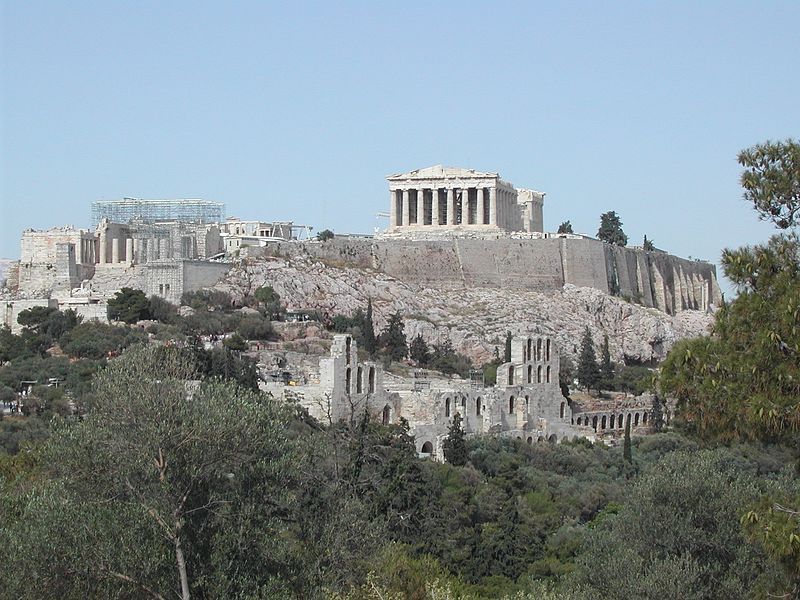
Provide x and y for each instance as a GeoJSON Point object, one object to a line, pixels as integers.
{"type": "Point", "coordinates": [359, 380]}
{"type": "Point", "coordinates": [387, 414]}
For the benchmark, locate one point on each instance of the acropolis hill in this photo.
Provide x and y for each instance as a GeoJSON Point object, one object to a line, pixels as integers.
{"type": "Point", "coordinates": [453, 234]}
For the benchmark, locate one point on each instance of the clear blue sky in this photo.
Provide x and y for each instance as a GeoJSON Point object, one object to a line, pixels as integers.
{"type": "Point", "coordinates": [299, 111]}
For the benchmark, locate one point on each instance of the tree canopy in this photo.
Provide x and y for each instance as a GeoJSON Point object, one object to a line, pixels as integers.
{"type": "Point", "coordinates": [771, 181]}
{"type": "Point", "coordinates": [611, 229]}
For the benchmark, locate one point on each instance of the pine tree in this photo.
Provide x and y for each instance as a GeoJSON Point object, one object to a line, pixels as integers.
{"type": "Point", "coordinates": [419, 351]}
{"type": "Point", "coordinates": [648, 245]}
{"type": "Point", "coordinates": [455, 444]}
{"type": "Point", "coordinates": [393, 338]}
{"type": "Point", "coordinates": [611, 229]}
{"type": "Point", "coordinates": [626, 448]}
{"type": "Point", "coordinates": [606, 367]}
{"type": "Point", "coordinates": [369, 343]}
{"type": "Point", "coordinates": [508, 347]}
{"type": "Point", "coordinates": [565, 227]}
{"type": "Point", "coordinates": [588, 371]}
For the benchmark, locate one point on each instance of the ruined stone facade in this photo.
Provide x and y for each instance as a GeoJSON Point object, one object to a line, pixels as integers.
{"type": "Point", "coordinates": [456, 200]}
{"type": "Point", "coordinates": [526, 402]}
{"type": "Point", "coordinates": [162, 259]}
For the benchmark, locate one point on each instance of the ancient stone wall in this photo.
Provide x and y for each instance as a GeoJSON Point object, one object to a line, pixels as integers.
{"type": "Point", "coordinates": [653, 279]}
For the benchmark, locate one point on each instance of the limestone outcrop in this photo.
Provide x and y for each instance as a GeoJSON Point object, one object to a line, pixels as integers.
{"type": "Point", "coordinates": [475, 319]}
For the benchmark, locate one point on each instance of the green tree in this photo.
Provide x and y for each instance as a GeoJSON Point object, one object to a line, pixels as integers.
{"type": "Point", "coordinates": [369, 341]}
{"type": "Point", "coordinates": [271, 301]}
{"type": "Point", "coordinates": [419, 351]}
{"type": "Point", "coordinates": [588, 374]}
{"type": "Point", "coordinates": [128, 305]}
{"type": "Point", "coordinates": [325, 235]}
{"type": "Point", "coordinates": [771, 181]}
{"type": "Point", "coordinates": [507, 352]}
{"type": "Point", "coordinates": [678, 535]}
{"type": "Point", "coordinates": [647, 245]}
{"type": "Point", "coordinates": [606, 366]}
{"type": "Point", "coordinates": [152, 494]}
{"type": "Point", "coordinates": [455, 444]}
{"type": "Point", "coordinates": [393, 338]}
{"type": "Point", "coordinates": [235, 342]}
{"type": "Point", "coordinates": [34, 317]}
{"type": "Point", "coordinates": [611, 229]}
{"type": "Point", "coordinates": [565, 227]}
{"type": "Point", "coordinates": [626, 447]}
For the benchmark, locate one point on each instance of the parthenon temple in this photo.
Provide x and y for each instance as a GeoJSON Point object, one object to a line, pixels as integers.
{"type": "Point", "coordinates": [455, 199]}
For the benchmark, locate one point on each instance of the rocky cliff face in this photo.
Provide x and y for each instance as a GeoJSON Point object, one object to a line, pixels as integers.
{"type": "Point", "coordinates": [475, 319]}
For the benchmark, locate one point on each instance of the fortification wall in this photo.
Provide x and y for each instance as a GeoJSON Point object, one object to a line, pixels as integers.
{"type": "Point", "coordinates": [653, 279]}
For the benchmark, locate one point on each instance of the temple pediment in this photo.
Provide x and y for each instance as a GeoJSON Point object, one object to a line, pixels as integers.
{"type": "Point", "coordinates": [441, 172]}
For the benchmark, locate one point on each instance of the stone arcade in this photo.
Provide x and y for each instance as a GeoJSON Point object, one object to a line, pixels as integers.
{"type": "Point", "coordinates": [453, 198]}
{"type": "Point", "coordinates": [526, 403]}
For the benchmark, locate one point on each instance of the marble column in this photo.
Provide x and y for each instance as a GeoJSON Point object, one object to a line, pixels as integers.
{"type": "Point", "coordinates": [392, 208]}
{"type": "Point", "coordinates": [435, 206]}
{"type": "Point", "coordinates": [420, 206]}
{"type": "Point", "coordinates": [406, 206]}
{"type": "Point", "coordinates": [451, 213]}
{"type": "Point", "coordinates": [492, 206]}
{"type": "Point", "coordinates": [481, 206]}
{"type": "Point", "coordinates": [465, 206]}
{"type": "Point", "coordinates": [115, 250]}
{"type": "Point", "coordinates": [129, 250]}
{"type": "Point", "coordinates": [103, 250]}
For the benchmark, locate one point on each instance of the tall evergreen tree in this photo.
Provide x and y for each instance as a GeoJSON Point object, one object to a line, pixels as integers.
{"type": "Point", "coordinates": [393, 338]}
{"type": "Point", "coordinates": [606, 366]}
{"type": "Point", "coordinates": [369, 343]}
{"type": "Point", "coordinates": [507, 354]}
{"type": "Point", "coordinates": [455, 444]}
{"type": "Point", "coordinates": [611, 229]}
{"type": "Point", "coordinates": [626, 448]}
{"type": "Point", "coordinates": [588, 371]}
{"type": "Point", "coordinates": [419, 351]}
{"type": "Point", "coordinates": [565, 227]}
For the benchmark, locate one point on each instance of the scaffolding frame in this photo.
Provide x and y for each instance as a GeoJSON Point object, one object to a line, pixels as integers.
{"type": "Point", "coordinates": [187, 210]}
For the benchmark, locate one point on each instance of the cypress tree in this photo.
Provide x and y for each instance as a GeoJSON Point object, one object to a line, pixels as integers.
{"type": "Point", "coordinates": [455, 444]}
{"type": "Point", "coordinates": [606, 367]}
{"type": "Point", "coordinates": [626, 448]}
{"type": "Point", "coordinates": [370, 343]}
{"type": "Point", "coordinates": [508, 347]}
{"type": "Point", "coordinates": [588, 371]}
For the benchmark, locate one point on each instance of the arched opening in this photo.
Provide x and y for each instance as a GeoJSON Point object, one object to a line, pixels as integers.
{"type": "Point", "coordinates": [603, 422]}
{"type": "Point", "coordinates": [347, 382]}
{"type": "Point", "coordinates": [619, 422]}
{"type": "Point", "coordinates": [561, 411]}
{"type": "Point", "coordinates": [511, 405]}
{"type": "Point", "coordinates": [527, 402]}
{"type": "Point", "coordinates": [348, 342]}
{"type": "Point", "coordinates": [540, 439]}
{"type": "Point", "coordinates": [464, 405]}
{"type": "Point", "coordinates": [359, 380]}
{"type": "Point", "coordinates": [628, 420]}
{"type": "Point", "coordinates": [552, 439]}
{"type": "Point", "coordinates": [530, 440]}
{"type": "Point", "coordinates": [547, 350]}
{"type": "Point", "coordinates": [539, 350]}
{"type": "Point", "coordinates": [387, 414]}
{"type": "Point", "coordinates": [548, 373]}
{"type": "Point", "coordinates": [478, 407]}
{"type": "Point", "coordinates": [371, 386]}
{"type": "Point", "coordinates": [594, 423]}
{"type": "Point", "coordinates": [539, 374]}
{"type": "Point", "coordinates": [427, 448]}
{"type": "Point", "coordinates": [579, 420]}
{"type": "Point", "coordinates": [636, 419]}
{"type": "Point", "coordinates": [530, 347]}
{"type": "Point", "coordinates": [511, 375]}
{"type": "Point", "coordinates": [530, 373]}
{"type": "Point", "coordinates": [644, 418]}
{"type": "Point", "coordinates": [447, 407]}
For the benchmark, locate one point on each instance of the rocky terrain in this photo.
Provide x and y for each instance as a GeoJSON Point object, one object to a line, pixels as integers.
{"type": "Point", "coordinates": [475, 319]}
